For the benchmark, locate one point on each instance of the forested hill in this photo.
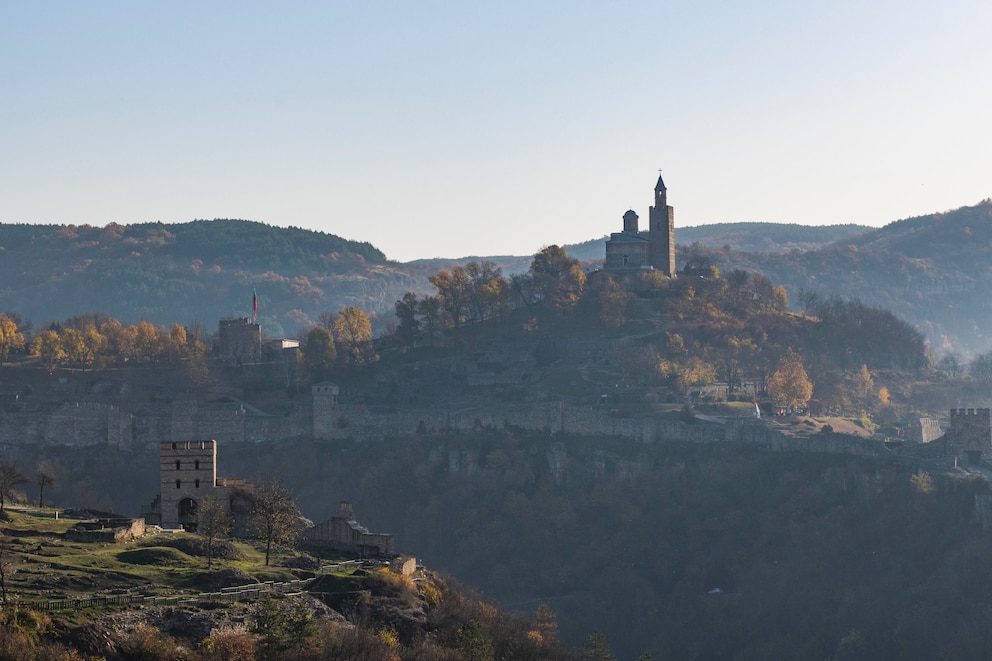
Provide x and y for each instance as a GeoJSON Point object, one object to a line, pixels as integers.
{"type": "Point", "coordinates": [931, 270]}
{"type": "Point", "coordinates": [191, 272]}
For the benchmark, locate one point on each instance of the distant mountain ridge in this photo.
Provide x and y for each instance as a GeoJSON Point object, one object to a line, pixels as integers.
{"type": "Point", "coordinates": [194, 272]}
{"type": "Point", "coordinates": [932, 270]}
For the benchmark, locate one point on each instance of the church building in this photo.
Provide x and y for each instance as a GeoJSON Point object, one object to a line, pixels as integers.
{"type": "Point", "coordinates": [632, 249]}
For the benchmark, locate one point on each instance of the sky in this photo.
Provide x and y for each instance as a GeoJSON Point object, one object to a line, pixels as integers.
{"type": "Point", "coordinates": [441, 129]}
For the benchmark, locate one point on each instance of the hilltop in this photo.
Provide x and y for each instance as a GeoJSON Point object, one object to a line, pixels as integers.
{"type": "Point", "coordinates": [930, 270]}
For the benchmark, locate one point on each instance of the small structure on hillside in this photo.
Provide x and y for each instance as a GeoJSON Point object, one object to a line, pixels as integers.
{"type": "Point", "coordinates": [344, 533]}
{"type": "Point", "coordinates": [923, 430]}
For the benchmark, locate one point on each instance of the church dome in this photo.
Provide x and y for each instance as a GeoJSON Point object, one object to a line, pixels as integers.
{"type": "Point", "coordinates": [630, 215]}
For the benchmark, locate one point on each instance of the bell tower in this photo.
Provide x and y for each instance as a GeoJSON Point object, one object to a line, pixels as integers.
{"type": "Point", "coordinates": [661, 228]}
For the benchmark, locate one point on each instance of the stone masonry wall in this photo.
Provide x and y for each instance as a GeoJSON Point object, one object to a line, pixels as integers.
{"type": "Point", "coordinates": [91, 424]}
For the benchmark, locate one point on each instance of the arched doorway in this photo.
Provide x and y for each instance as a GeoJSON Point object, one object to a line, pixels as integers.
{"type": "Point", "coordinates": [187, 514]}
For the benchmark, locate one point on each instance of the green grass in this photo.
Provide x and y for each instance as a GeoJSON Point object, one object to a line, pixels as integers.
{"type": "Point", "coordinates": [156, 556]}
{"type": "Point", "coordinates": [47, 565]}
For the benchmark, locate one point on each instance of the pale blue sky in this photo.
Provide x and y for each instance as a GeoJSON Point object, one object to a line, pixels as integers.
{"type": "Point", "coordinates": [454, 129]}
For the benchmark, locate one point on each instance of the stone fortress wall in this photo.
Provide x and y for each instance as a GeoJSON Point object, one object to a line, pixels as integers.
{"type": "Point", "coordinates": [326, 418]}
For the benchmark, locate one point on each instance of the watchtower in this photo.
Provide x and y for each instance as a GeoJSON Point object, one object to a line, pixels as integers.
{"type": "Point", "coordinates": [187, 473]}
{"type": "Point", "coordinates": [971, 431]}
{"type": "Point", "coordinates": [240, 340]}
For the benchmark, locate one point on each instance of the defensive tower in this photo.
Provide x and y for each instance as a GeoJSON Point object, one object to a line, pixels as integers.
{"type": "Point", "coordinates": [188, 472]}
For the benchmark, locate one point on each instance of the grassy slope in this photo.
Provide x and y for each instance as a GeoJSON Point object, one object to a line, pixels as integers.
{"type": "Point", "coordinates": [53, 565]}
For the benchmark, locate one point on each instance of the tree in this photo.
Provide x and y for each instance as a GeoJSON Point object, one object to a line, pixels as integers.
{"type": "Point", "coordinates": [485, 289]}
{"type": "Point", "coordinates": [596, 649]}
{"type": "Point", "coordinates": [282, 627]}
{"type": "Point", "coordinates": [733, 357]}
{"type": "Point", "coordinates": [809, 300]}
{"type": "Point", "coordinates": [120, 340]}
{"type": "Point", "coordinates": [274, 515]}
{"type": "Point", "coordinates": [453, 291]}
{"type": "Point", "coordinates": [408, 329]}
{"type": "Point", "coordinates": [47, 345]}
{"type": "Point", "coordinates": [862, 383]}
{"type": "Point", "coordinates": [950, 365]}
{"type": "Point", "coordinates": [522, 284]}
{"type": "Point", "coordinates": [174, 344]}
{"type": "Point", "coordinates": [980, 367]}
{"type": "Point", "coordinates": [429, 309]}
{"type": "Point", "coordinates": [697, 259]}
{"type": "Point", "coordinates": [213, 521]}
{"type": "Point", "coordinates": [320, 354]}
{"type": "Point", "coordinates": [558, 278]}
{"type": "Point", "coordinates": [612, 304]}
{"type": "Point", "coordinates": [147, 342]}
{"type": "Point", "coordinates": [546, 624]}
{"type": "Point", "coordinates": [353, 335]}
{"type": "Point", "coordinates": [11, 339]}
{"type": "Point", "coordinates": [44, 475]}
{"type": "Point", "coordinates": [789, 385]}
{"type": "Point", "coordinates": [474, 644]}
{"type": "Point", "coordinates": [10, 478]}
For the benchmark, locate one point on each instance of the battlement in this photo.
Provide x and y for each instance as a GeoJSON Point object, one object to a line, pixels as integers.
{"type": "Point", "coordinates": [187, 445]}
{"type": "Point", "coordinates": [985, 413]}
{"type": "Point", "coordinates": [975, 419]}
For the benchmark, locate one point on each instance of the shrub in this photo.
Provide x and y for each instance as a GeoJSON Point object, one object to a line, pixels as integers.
{"type": "Point", "coordinates": [197, 547]}
{"type": "Point", "coordinates": [155, 555]}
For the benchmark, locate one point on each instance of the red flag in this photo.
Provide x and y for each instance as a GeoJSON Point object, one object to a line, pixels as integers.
{"type": "Point", "coordinates": [254, 306]}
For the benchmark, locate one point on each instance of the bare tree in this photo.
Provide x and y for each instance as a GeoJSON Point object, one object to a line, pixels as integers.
{"type": "Point", "coordinates": [10, 478]}
{"type": "Point", "coordinates": [274, 515]}
{"type": "Point", "coordinates": [45, 475]}
{"type": "Point", "coordinates": [213, 521]}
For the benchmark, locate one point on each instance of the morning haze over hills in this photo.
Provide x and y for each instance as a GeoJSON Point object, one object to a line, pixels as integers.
{"type": "Point", "coordinates": [929, 270]}
{"type": "Point", "coordinates": [604, 450]}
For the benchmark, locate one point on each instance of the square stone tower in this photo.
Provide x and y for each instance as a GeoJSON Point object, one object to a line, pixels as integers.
{"type": "Point", "coordinates": [187, 473]}
{"type": "Point", "coordinates": [240, 341]}
{"type": "Point", "coordinates": [971, 433]}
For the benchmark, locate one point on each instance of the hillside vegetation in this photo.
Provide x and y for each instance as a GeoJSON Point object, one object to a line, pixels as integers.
{"type": "Point", "coordinates": [68, 598]}
{"type": "Point", "coordinates": [193, 272]}
{"type": "Point", "coordinates": [931, 270]}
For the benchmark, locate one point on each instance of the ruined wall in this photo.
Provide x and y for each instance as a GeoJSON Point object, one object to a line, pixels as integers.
{"type": "Point", "coordinates": [344, 533]}
{"type": "Point", "coordinates": [72, 423]}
